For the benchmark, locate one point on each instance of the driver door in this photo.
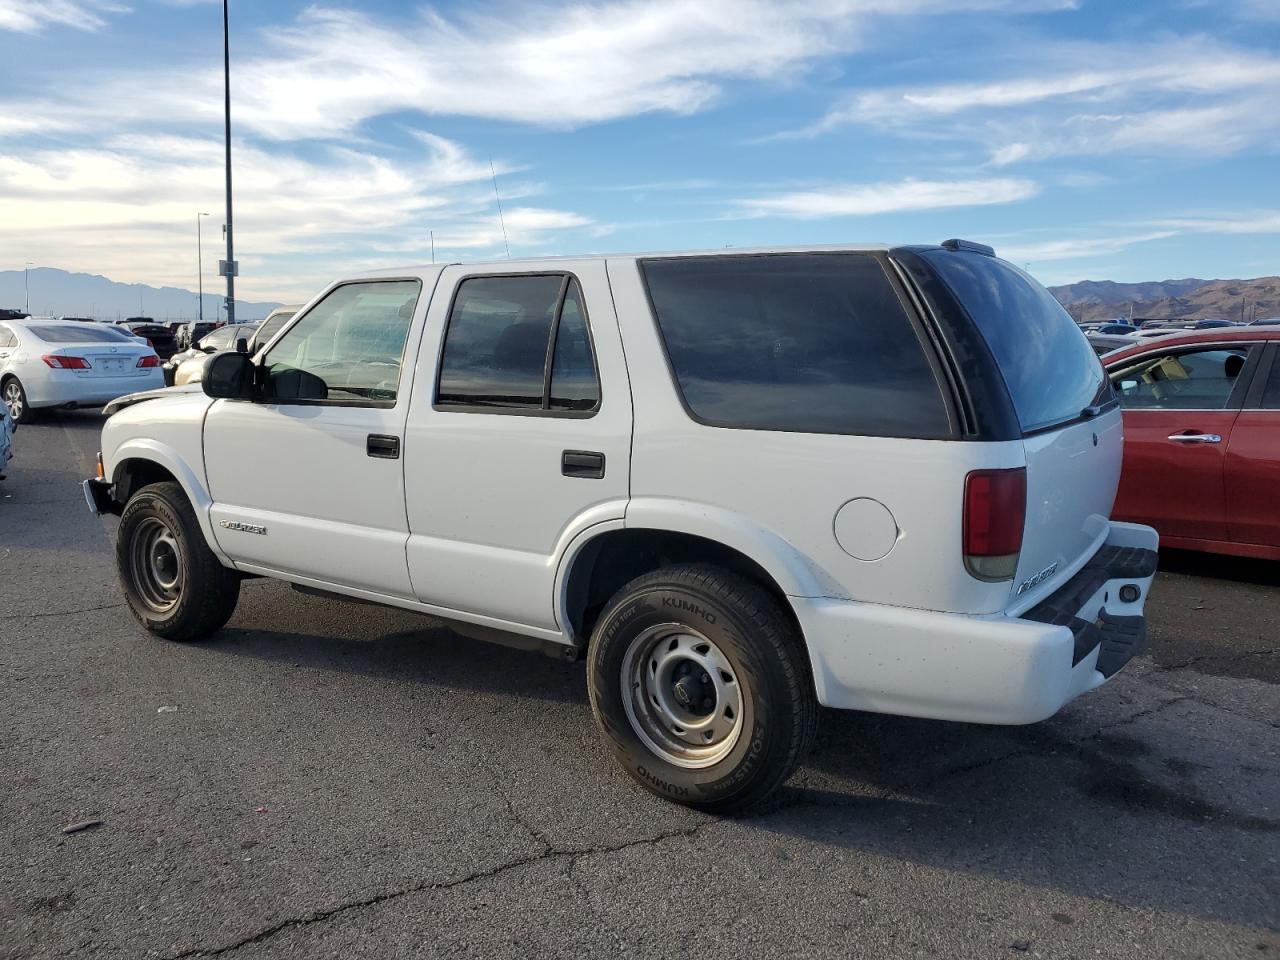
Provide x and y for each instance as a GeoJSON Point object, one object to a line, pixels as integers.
{"type": "Point", "coordinates": [307, 480]}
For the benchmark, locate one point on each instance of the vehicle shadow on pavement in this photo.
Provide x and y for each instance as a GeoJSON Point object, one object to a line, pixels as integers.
{"type": "Point", "coordinates": [1113, 815]}
{"type": "Point", "coordinates": [1240, 569]}
{"type": "Point", "coordinates": [432, 655]}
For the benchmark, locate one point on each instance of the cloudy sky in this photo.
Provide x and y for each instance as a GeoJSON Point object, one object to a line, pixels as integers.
{"type": "Point", "coordinates": [1088, 138]}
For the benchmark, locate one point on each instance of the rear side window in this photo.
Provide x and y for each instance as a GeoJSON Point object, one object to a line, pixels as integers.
{"type": "Point", "coordinates": [7, 338]}
{"type": "Point", "coordinates": [519, 342]}
{"type": "Point", "coordinates": [1051, 371]}
{"type": "Point", "coordinates": [811, 343]}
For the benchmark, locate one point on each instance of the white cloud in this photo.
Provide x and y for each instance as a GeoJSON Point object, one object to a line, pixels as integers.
{"type": "Point", "coordinates": [559, 66]}
{"type": "Point", "coordinates": [876, 198]}
{"type": "Point", "coordinates": [127, 209]}
{"type": "Point", "coordinates": [1196, 94]}
{"type": "Point", "coordinates": [31, 16]}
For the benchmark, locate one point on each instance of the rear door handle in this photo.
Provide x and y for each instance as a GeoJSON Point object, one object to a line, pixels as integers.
{"type": "Point", "coordinates": [1196, 437]}
{"type": "Point", "coordinates": [582, 463]}
{"type": "Point", "coordinates": [382, 446]}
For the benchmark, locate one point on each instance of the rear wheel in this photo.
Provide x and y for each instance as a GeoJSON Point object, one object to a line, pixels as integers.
{"type": "Point", "coordinates": [702, 685]}
{"type": "Point", "coordinates": [15, 398]}
{"type": "Point", "coordinates": [174, 584]}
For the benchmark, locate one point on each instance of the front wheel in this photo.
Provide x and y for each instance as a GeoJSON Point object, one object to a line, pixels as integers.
{"type": "Point", "coordinates": [175, 585]}
{"type": "Point", "coordinates": [702, 685]}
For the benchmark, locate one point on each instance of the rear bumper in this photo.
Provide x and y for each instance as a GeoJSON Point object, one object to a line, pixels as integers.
{"type": "Point", "coordinates": [89, 391]}
{"type": "Point", "coordinates": [985, 669]}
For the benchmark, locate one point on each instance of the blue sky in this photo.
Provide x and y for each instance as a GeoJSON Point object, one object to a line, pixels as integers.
{"type": "Point", "coordinates": [1089, 139]}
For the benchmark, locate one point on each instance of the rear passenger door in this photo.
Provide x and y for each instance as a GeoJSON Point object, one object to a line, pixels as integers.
{"type": "Point", "coordinates": [1179, 407]}
{"type": "Point", "coordinates": [519, 435]}
{"type": "Point", "coordinates": [1253, 460]}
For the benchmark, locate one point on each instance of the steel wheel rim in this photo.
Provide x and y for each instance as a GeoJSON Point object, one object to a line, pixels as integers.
{"type": "Point", "coordinates": [13, 399]}
{"type": "Point", "coordinates": [156, 562]}
{"type": "Point", "coordinates": [682, 696]}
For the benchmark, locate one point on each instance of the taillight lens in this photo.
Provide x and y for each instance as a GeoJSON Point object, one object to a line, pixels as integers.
{"type": "Point", "coordinates": [150, 360]}
{"type": "Point", "coordinates": [995, 511]}
{"type": "Point", "coordinates": [58, 362]}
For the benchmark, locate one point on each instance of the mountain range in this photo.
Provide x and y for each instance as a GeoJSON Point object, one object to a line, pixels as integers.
{"type": "Point", "coordinates": [1172, 299]}
{"type": "Point", "coordinates": [60, 293]}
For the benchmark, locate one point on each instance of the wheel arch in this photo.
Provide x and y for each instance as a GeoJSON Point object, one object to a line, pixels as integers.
{"type": "Point", "coordinates": [140, 461]}
{"type": "Point", "coordinates": [606, 557]}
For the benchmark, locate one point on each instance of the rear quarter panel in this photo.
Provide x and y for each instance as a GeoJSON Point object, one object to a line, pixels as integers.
{"type": "Point", "coordinates": [790, 486]}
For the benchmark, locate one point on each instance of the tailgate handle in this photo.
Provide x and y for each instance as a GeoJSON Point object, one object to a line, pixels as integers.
{"type": "Point", "coordinates": [582, 463]}
{"type": "Point", "coordinates": [1196, 437]}
{"type": "Point", "coordinates": [382, 446]}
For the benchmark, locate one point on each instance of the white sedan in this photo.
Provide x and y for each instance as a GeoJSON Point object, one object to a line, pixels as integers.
{"type": "Point", "coordinates": [47, 363]}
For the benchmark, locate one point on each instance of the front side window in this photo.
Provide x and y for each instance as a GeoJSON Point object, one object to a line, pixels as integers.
{"type": "Point", "coordinates": [518, 342]}
{"type": "Point", "coordinates": [1190, 380]}
{"type": "Point", "coordinates": [219, 339]}
{"type": "Point", "coordinates": [813, 343]}
{"type": "Point", "coordinates": [348, 348]}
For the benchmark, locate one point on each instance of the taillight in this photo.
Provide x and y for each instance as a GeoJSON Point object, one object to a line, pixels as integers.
{"type": "Point", "coordinates": [995, 511]}
{"type": "Point", "coordinates": [58, 362]}
{"type": "Point", "coordinates": [150, 360]}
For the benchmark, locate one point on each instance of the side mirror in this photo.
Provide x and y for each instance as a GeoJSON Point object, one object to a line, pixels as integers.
{"type": "Point", "coordinates": [229, 376]}
{"type": "Point", "coordinates": [242, 345]}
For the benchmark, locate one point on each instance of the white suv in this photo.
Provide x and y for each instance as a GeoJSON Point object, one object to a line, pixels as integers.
{"type": "Point", "coordinates": [741, 483]}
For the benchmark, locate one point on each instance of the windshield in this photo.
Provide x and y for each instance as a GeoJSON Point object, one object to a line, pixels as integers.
{"type": "Point", "coordinates": [1051, 371]}
{"type": "Point", "coordinates": [76, 333]}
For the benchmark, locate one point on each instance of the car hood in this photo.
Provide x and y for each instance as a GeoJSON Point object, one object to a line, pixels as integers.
{"type": "Point", "coordinates": [130, 399]}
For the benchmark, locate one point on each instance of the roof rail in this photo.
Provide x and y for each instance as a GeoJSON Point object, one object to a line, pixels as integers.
{"type": "Point", "coordinates": [954, 244]}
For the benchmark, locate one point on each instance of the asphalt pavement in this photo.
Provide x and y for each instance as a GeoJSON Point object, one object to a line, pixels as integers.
{"type": "Point", "coordinates": [328, 779]}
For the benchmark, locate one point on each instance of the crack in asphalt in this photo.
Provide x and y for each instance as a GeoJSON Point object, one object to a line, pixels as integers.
{"type": "Point", "coordinates": [59, 613]}
{"type": "Point", "coordinates": [321, 916]}
{"type": "Point", "coordinates": [1219, 657]}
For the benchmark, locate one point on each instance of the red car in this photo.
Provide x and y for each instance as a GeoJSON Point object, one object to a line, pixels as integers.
{"type": "Point", "coordinates": [1202, 438]}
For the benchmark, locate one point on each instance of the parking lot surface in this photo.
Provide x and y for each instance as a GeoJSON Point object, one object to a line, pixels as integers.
{"type": "Point", "coordinates": [328, 779]}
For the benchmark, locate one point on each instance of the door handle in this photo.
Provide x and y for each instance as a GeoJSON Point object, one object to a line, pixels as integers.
{"type": "Point", "coordinates": [582, 463]}
{"type": "Point", "coordinates": [1196, 437]}
{"type": "Point", "coordinates": [382, 446]}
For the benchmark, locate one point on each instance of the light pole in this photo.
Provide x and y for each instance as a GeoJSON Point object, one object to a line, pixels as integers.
{"type": "Point", "coordinates": [200, 267]}
{"type": "Point", "coordinates": [26, 284]}
{"type": "Point", "coordinates": [229, 268]}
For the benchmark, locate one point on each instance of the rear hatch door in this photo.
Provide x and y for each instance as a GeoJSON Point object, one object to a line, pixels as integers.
{"type": "Point", "coordinates": [1070, 421]}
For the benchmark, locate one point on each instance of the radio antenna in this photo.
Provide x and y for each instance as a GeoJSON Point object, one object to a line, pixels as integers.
{"type": "Point", "coordinates": [501, 222]}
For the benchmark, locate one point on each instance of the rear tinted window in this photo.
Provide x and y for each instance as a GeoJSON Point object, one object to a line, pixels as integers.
{"type": "Point", "coordinates": [1051, 371]}
{"type": "Point", "coordinates": [814, 343]}
{"type": "Point", "coordinates": [76, 333]}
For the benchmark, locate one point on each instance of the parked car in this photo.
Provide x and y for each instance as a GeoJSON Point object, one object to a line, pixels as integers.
{"type": "Point", "coordinates": [49, 363]}
{"type": "Point", "coordinates": [192, 331]}
{"type": "Point", "coordinates": [889, 494]}
{"type": "Point", "coordinates": [1104, 343]}
{"type": "Point", "coordinates": [1265, 322]}
{"type": "Point", "coordinates": [1202, 439]}
{"type": "Point", "coordinates": [158, 335]}
{"type": "Point", "coordinates": [1108, 328]}
{"type": "Point", "coordinates": [7, 428]}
